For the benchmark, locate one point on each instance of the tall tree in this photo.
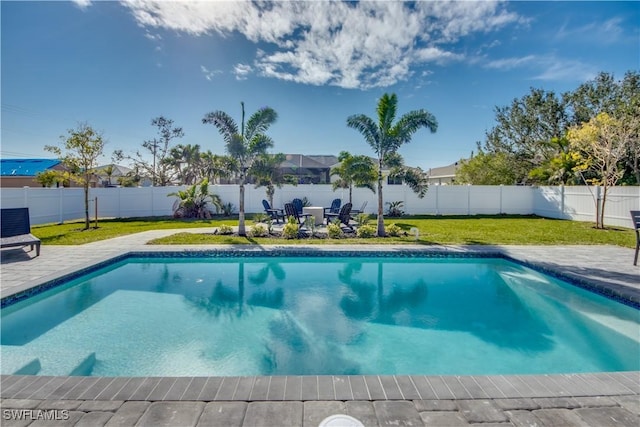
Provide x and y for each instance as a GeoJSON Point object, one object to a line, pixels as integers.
{"type": "Point", "coordinates": [80, 150]}
{"type": "Point", "coordinates": [602, 143]}
{"type": "Point", "coordinates": [215, 167]}
{"type": "Point", "coordinates": [159, 169]}
{"type": "Point", "coordinates": [186, 160]}
{"type": "Point", "coordinates": [267, 172]}
{"type": "Point", "coordinates": [486, 169]}
{"type": "Point", "coordinates": [244, 145]}
{"type": "Point", "coordinates": [358, 171]}
{"type": "Point", "coordinates": [385, 137]}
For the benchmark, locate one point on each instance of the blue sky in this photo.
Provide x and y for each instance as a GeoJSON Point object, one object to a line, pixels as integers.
{"type": "Point", "coordinates": [118, 65]}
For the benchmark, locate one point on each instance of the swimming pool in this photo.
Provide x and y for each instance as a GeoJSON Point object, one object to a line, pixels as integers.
{"type": "Point", "coordinates": [229, 315]}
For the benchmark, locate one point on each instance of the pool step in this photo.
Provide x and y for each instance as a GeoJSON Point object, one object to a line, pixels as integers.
{"type": "Point", "coordinates": [85, 368]}
{"type": "Point", "coordinates": [31, 368]}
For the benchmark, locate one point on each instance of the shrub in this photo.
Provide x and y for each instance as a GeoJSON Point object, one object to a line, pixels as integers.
{"type": "Point", "coordinates": [261, 217]}
{"type": "Point", "coordinates": [366, 231]}
{"type": "Point", "coordinates": [290, 229]}
{"type": "Point", "coordinates": [395, 208]}
{"type": "Point", "coordinates": [362, 219]}
{"type": "Point", "coordinates": [193, 202]}
{"type": "Point", "coordinates": [258, 230]}
{"type": "Point", "coordinates": [225, 229]}
{"type": "Point", "coordinates": [334, 231]}
{"type": "Point", "coordinates": [393, 230]}
{"type": "Point", "coordinates": [227, 209]}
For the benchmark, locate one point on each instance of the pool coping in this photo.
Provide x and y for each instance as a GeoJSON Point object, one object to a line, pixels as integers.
{"type": "Point", "coordinates": [342, 388]}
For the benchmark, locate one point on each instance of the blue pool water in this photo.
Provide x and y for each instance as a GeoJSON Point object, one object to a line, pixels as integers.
{"type": "Point", "coordinates": [326, 315]}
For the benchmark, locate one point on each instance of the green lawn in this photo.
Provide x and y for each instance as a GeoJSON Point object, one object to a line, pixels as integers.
{"type": "Point", "coordinates": [480, 230]}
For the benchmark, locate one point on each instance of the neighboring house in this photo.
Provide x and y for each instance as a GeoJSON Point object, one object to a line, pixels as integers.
{"type": "Point", "coordinates": [19, 173]}
{"type": "Point", "coordinates": [312, 169]}
{"type": "Point", "coordinates": [110, 180]}
{"type": "Point", "coordinates": [443, 175]}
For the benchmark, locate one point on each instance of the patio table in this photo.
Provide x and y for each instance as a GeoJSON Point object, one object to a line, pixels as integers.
{"type": "Point", "coordinates": [316, 211]}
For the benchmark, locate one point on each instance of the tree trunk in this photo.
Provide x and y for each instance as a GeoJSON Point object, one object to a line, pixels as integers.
{"type": "Point", "coordinates": [380, 201]}
{"type": "Point", "coordinates": [604, 199]}
{"type": "Point", "coordinates": [241, 228]}
{"type": "Point", "coordinates": [86, 205]}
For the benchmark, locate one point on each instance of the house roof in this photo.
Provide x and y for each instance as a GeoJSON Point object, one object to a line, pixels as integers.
{"type": "Point", "coordinates": [118, 170]}
{"type": "Point", "coordinates": [25, 167]}
{"type": "Point", "coordinates": [448, 171]}
{"type": "Point", "coordinates": [308, 162]}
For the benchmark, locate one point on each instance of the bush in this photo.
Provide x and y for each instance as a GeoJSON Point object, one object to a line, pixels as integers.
{"type": "Point", "coordinates": [395, 208]}
{"type": "Point", "coordinates": [362, 219]}
{"type": "Point", "coordinates": [290, 229]}
{"type": "Point", "coordinates": [366, 231]}
{"type": "Point", "coordinates": [393, 230]}
{"type": "Point", "coordinates": [334, 231]}
{"type": "Point", "coordinates": [193, 202]}
{"type": "Point", "coordinates": [258, 230]}
{"type": "Point", "coordinates": [228, 209]}
{"type": "Point", "coordinates": [261, 217]}
{"type": "Point", "coordinates": [225, 229]}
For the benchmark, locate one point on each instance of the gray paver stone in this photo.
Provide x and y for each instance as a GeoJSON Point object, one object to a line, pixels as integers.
{"type": "Point", "coordinates": [20, 403]}
{"type": "Point", "coordinates": [362, 411]}
{"type": "Point", "coordinates": [72, 418]}
{"type": "Point", "coordinates": [223, 414]}
{"type": "Point", "coordinates": [171, 414]}
{"type": "Point", "coordinates": [481, 411]}
{"type": "Point", "coordinates": [595, 401]}
{"type": "Point", "coordinates": [516, 404]}
{"type": "Point", "coordinates": [128, 414]}
{"type": "Point", "coordinates": [435, 405]}
{"type": "Point", "coordinates": [630, 403]}
{"type": "Point", "coordinates": [316, 411]}
{"type": "Point", "coordinates": [69, 405]}
{"type": "Point", "coordinates": [273, 414]}
{"type": "Point", "coordinates": [100, 405]}
{"type": "Point", "coordinates": [94, 419]}
{"type": "Point", "coordinates": [559, 418]}
{"type": "Point", "coordinates": [443, 419]}
{"type": "Point", "coordinates": [523, 419]}
{"type": "Point", "coordinates": [609, 416]}
{"type": "Point", "coordinates": [557, 402]}
{"type": "Point", "coordinates": [397, 413]}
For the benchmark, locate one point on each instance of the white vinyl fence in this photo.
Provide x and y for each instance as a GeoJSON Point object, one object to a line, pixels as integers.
{"type": "Point", "coordinates": [47, 205]}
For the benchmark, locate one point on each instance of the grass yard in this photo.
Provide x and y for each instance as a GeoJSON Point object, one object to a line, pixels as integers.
{"type": "Point", "coordinates": [467, 230]}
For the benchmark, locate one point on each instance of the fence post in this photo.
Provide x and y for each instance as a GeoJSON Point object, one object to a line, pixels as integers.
{"type": "Point", "coordinates": [501, 187]}
{"type": "Point", "coordinates": [25, 190]}
{"type": "Point", "coordinates": [437, 206]}
{"type": "Point", "coordinates": [468, 199]}
{"type": "Point", "coordinates": [562, 201]}
{"type": "Point", "coordinates": [60, 205]}
{"type": "Point", "coordinates": [598, 207]}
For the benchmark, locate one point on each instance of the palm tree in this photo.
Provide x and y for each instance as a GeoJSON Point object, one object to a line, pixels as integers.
{"type": "Point", "coordinates": [359, 171]}
{"type": "Point", "coordinates": [266, 170]}
{"type": "Point", "coordinates": [385, 137]}
{"type": "Point", "coordinates": [216, 167]}
{"type": "Point", "coordinates": [186, 160]}
{"type": "Point", "coordinates": [244, 144]}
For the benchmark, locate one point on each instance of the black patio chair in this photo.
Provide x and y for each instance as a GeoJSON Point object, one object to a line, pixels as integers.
{"type": "Point", "coordinates": [334, 208]}
{"type": "Point", "coordinates": [361, 210]}
{"type": "Point", "coordinates": [635, 217]}
{"type": "Point", "coordinates": [344, 216]}
{"type": "Point", "coordinates": [297, 204]}
{"type": "Point", "coordinates": [290, 211]}
{"type": "Point", "coordinates": [275, 214]}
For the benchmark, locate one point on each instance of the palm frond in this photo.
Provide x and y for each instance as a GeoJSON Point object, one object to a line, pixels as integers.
{"type": "Point", "coordinates": [259, 122]}
{"type": "Point", "coordinates": [387, 107]}
{"type": "Point", "coordinates": [260, 143]}
{"type": "Point", "coordinates": [223, 122]}
{"type": "Point", "coordinates": [368, 128]}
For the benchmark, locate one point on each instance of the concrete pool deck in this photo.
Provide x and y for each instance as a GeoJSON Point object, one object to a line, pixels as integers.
{"type": "Point", "coordinates": [600, 399]}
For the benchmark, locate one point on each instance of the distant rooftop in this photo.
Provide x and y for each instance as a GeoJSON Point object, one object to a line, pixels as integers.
{"type": "Point", "coordinates": [25, 167]}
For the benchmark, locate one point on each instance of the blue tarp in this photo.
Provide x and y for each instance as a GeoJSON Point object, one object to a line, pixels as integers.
{"type": "Point", "coordinates": [25, 167]}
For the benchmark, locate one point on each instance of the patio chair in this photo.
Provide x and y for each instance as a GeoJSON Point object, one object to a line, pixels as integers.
{"type": "Point", "coordinates": [361, 210]}
{"type": "Point", "coordinates": [275, 214]}
{"type": "Point", "coordinates": [297, 204]}
{"type": "Point", "coordinates": [290, 211]}
{"type": "Point", "coordinates": [344, 216]}
{"type": "Point", "coordinates": [334, 208]}
{"type": "Point", "coordinates": [635, 218]}
{"type": "Point", "coordinates": [16, 229]}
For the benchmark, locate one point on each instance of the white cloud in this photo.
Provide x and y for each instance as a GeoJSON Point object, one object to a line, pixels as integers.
{"type": "Point", "coordinates": [351, 45]}
{"type": "Point", "coordinates": [547, 67]}
{"type": "Point", "coordinates": [82, 4]}
{"type": "Point", "coordinates": [510, 63]}
{"type": "Point", "coordinates": [209, 74]}
{"type": "Point", "coordinates": [242, 71]}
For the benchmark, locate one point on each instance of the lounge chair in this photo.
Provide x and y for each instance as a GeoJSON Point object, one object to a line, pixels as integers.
{"type": "Point", "coordinates": [290, 211]}
{"type": "Point", "coordinates": [344, 216]}
{"type": "Point", "coordinates": [16, 229]}
{"type": "Point", "coordinates": [297, 203]}
{"type": "Point", "coordinates": [635, 218]}
{"type": "Point", "coordinates": [275, 214]}
{"type": "Point", "coordinates": [361, 210]}
{"type": "Point", "coordinates": [334, 208]}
